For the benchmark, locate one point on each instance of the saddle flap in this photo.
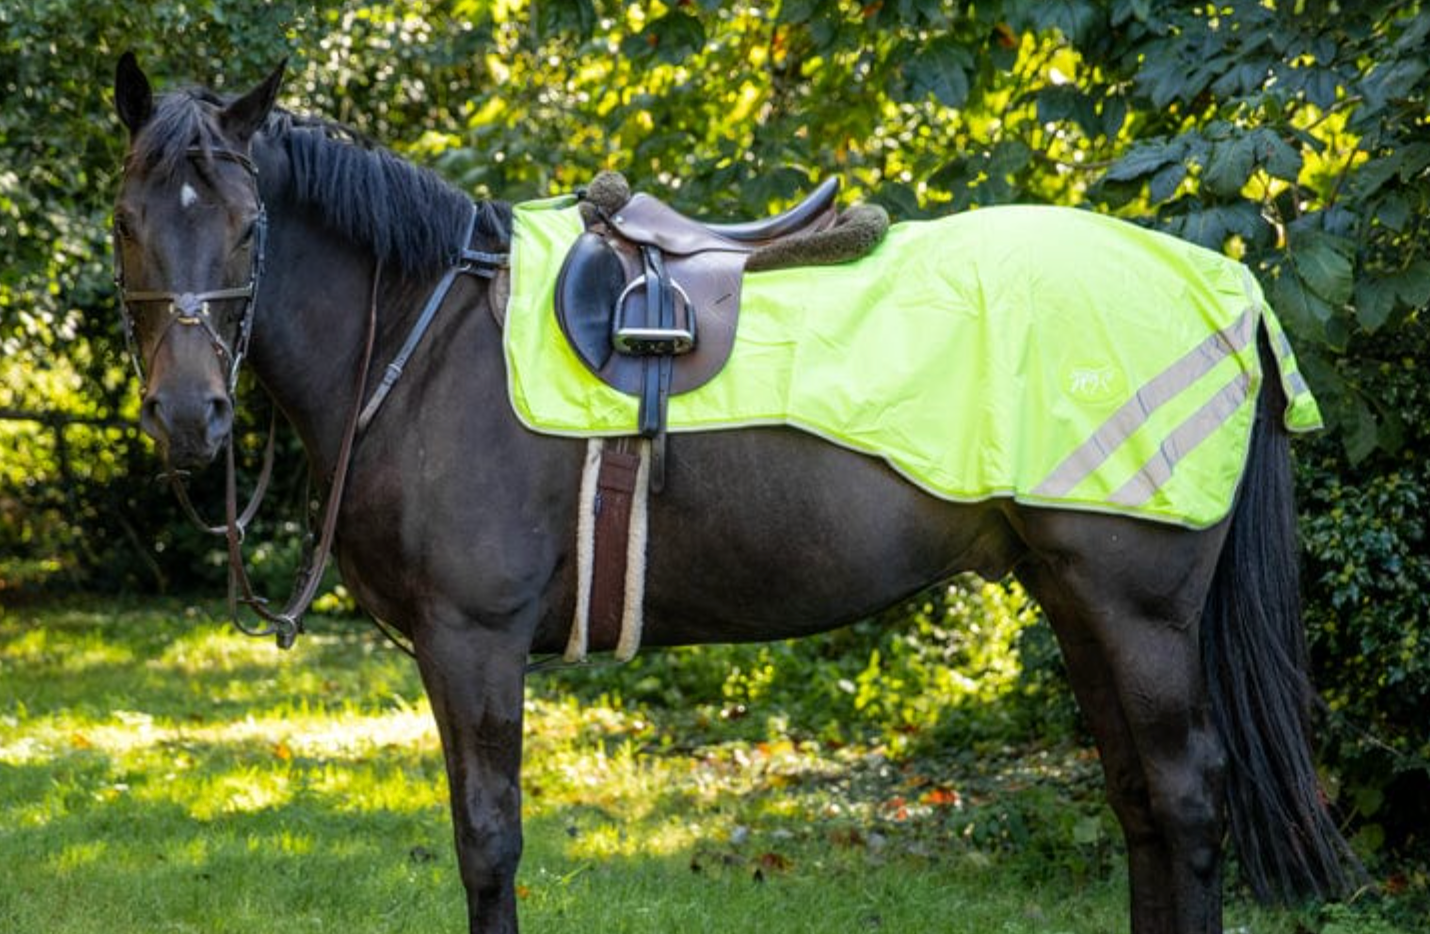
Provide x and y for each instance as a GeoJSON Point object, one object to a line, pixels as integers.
{"type": "Point", "coordinates": [588, 290]}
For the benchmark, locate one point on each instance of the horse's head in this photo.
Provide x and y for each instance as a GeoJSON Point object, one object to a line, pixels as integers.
{"type": "Point", "coordinates": [188, 252]}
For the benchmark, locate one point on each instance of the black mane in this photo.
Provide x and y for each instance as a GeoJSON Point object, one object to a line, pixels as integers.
{"type": "Point", "coordinates": [408, 216]}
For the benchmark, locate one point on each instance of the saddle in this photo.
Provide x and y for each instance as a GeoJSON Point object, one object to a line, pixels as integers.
{"type": "Point", "coordinates": [649, 298]}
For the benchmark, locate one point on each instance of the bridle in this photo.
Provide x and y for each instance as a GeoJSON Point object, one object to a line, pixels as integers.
{"type": "Point", "coordinates": [194, 308]}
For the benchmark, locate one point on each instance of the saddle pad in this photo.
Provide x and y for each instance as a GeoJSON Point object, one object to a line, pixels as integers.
{"type": "Point", "coordinates": [1051, 355]}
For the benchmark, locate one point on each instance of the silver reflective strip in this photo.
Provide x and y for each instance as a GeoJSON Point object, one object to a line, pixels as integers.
{"type": "Point", "coordinates": [1201, 425]}
{"type": "Point", "coordinates": [1152, 395]}
{"type": "Point", "coordinates": [1292, 380]}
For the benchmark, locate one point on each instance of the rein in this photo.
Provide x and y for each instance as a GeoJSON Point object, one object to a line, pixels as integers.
{"type": "Point", "coordinates": [286, 624]}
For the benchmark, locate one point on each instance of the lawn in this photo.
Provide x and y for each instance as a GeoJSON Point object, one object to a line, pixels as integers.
{"type": "Point", "coordinates": [159, 772]}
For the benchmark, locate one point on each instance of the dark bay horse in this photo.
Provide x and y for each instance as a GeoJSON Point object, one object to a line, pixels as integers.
{"type": "Point", "coordinates": [1184, 647]}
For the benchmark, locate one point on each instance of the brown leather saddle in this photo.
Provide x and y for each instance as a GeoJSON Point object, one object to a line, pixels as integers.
{"type": "Point", "coordinates": [649, 298]}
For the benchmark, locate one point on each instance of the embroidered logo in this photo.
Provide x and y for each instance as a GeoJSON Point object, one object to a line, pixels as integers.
{"type": "Point", "coordinates": [1094, 384]}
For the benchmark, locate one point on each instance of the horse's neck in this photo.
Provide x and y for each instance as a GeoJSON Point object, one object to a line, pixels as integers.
{"type": "Point", "coordinates": [310, 330]}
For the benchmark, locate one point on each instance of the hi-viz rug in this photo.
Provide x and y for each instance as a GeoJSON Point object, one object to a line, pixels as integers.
{"type": "Point", "coordinates": [1051, 355]}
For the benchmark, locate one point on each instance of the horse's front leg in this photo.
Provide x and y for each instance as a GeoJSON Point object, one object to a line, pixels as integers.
{"type": "Point", "coordinates": [474, 677]}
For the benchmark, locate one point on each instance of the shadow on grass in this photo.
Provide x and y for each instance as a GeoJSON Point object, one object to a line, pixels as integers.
{"type": "Point", "coordinates": [203, 810]}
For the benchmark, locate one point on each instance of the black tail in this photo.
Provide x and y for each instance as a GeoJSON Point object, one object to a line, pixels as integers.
{"type": "Point", "coordinates": [1254, 651]}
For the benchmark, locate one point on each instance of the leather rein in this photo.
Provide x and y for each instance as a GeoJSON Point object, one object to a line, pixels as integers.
{"type": "Point", "coordinates": [193, 309]}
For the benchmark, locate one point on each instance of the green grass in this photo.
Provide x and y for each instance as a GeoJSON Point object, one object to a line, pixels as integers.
{"type": "Point", "coordinates": [160, 773]}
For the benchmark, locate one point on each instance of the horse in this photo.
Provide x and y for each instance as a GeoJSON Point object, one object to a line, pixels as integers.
{"type": "Point", "coordinates": [245, 231]}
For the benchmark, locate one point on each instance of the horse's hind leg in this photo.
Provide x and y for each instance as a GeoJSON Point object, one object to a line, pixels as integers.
{"type": "Point", "coordinates": [1125, 600]}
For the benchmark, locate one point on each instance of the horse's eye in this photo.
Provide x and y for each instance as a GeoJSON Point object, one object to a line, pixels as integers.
{"type": "Point", "coordinates": [247, 236]}
{"type": "Point", "coordinates": [123, 226]}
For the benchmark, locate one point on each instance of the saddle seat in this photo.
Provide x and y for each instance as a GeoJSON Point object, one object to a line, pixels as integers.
{"type": "Point", "coordinates": [647, 220]}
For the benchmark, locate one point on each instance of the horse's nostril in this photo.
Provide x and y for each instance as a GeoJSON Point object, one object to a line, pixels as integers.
{"type": "Point", "coordinates": [220, 417]}
{"type": "Point", "coordinates": [220, 410]}
{"type": "Point", "coordinates": [151, 418]}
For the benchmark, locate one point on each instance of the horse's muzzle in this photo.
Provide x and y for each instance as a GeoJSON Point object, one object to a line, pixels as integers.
{"type": "Point", "coordinates": [189, 428]}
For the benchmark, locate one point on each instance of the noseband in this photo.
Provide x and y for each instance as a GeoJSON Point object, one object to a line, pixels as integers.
{"type": "Point", "coordinates": [193, 308]}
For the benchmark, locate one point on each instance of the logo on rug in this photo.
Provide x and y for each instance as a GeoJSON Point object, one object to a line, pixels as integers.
{"type": "Point", "coordinates": [1094, 383]}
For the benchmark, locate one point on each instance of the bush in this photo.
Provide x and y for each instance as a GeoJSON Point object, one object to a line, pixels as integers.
{"type": "Point", "coordinates": [1367, 570]}
{"type": "Point", "coordinates": [944, 669]}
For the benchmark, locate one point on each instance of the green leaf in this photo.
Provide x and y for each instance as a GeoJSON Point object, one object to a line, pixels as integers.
{"type": "Point", "coordinates": [1164, 76]}
{"type": "Point", "coordinates": [1087, 831]}
{"type": "Point", "coordinates": [676, 36]}
{"type": "Point", "coordinates": [1375, 172]}
{"type": "Point", "coordinates": [798, 11]}
{"type": "Point", "coordinates": [1009, 157]}
{"type": "Point", "coordinates": [1165, 180]}
{"type": "Point", "coordinates": [1075, 19]}
{"type": "Point", "coordinates": [1230, 166]}
{"type": "Point", "coordinates": [1374, 302]}
{"type": "Point", "coordinates": [899, 200]}
{"type": "Point", "coordinates": [1144, 159]}
{"type": "Point", "coordinates": [1323, 263]}
{"type": "Point", "coordinates": [1412, 284]}
{"type": "Point", "coordinates": [1393, 211]}
{"type": "Point", "coordinates": [1304, 312]}
{"type": "Point", "coordinates": [1273, 153]}
{"type": "Point", "coordinates": [939, 69]}
{"type": "Point", "coordinates": [551, 19]}
{"type": "Point", "coordinates": [1362, 433]}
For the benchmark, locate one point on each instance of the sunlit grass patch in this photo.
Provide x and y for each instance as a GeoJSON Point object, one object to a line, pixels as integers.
{"type": "Point", "coordinates": [160, 773]}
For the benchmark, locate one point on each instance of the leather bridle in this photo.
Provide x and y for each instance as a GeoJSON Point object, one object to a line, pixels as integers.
{"type": "Point", "coordinates": [194, 308]}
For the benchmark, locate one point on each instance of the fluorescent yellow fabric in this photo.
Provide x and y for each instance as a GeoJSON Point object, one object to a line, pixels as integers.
{"type": "Point", "coordinates": [1048, 354]}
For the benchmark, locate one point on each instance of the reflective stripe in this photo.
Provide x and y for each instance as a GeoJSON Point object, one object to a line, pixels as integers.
{"type": "Point", "coordinates": [1291, 378]}
{"type": "Point", "coordinates": [1152, 395]}
{"type": "Point", "coordinates": [1197, 428]}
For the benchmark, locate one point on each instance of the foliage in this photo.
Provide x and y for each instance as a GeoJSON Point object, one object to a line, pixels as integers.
{"type": "Point", "coordinates": [1291, 135]}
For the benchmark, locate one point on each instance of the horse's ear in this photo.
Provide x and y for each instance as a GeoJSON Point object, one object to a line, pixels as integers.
{"type": "Point", "coordinates": [132, 96]}
{"type": "Point", "coordinates": [245, 116]}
